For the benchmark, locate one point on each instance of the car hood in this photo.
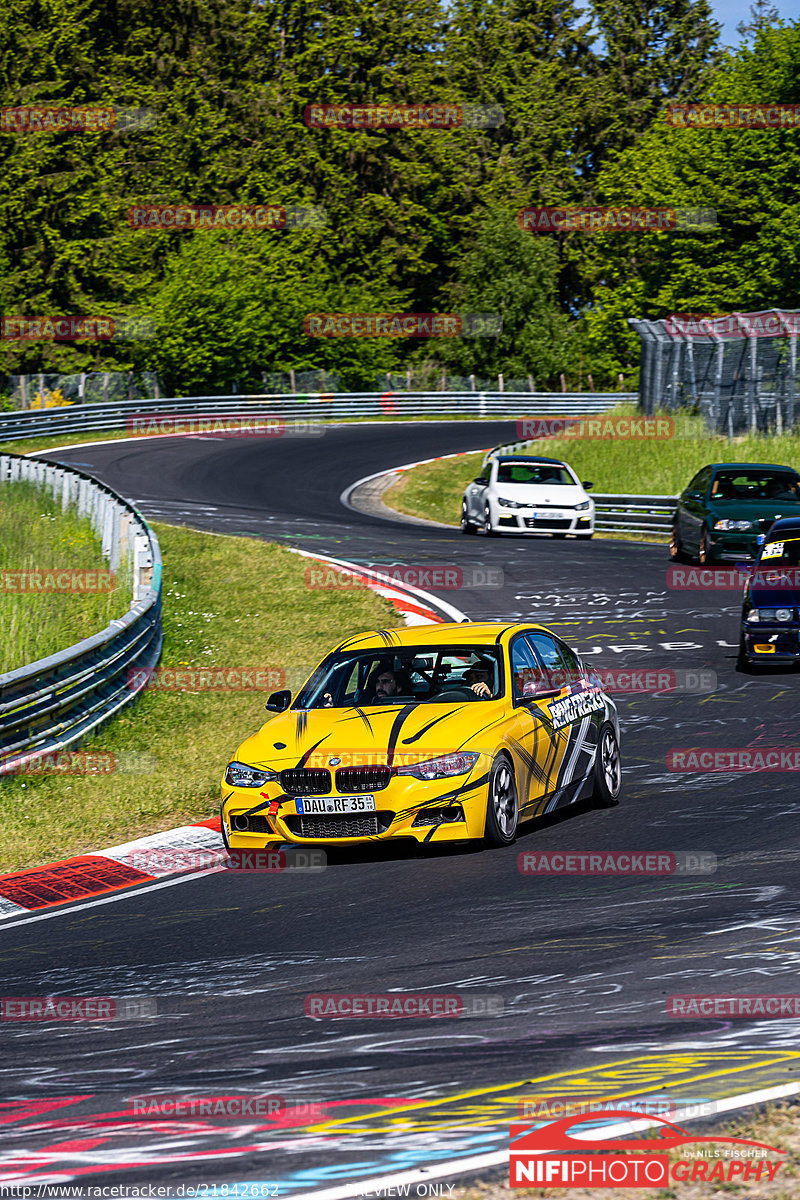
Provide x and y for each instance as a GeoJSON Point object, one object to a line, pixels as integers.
{"type": "Point", "coordinates": [364, 736]}
{"type": "Point", "coordinates": [764, 596]}
{"type": "Point", "coordinates": [558, 496]}
{"type": "Point", "coordinates": [753, 510]}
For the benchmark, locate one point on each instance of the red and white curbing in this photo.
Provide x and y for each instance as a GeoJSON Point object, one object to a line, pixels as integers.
{"type": "Point", "coordinates": [105, 871]}
{"type": "Point", "coordinates": [414, 605]}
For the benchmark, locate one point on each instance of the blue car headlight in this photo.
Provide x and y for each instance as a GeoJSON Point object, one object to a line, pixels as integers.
{"type": "Point", "coordinates": [238, 774]}
{"type": "Point", "coordinates": [768, 614]}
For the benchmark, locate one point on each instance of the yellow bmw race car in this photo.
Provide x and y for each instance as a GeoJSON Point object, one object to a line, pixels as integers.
{"type": "Point", "coordinates": [446, 732]}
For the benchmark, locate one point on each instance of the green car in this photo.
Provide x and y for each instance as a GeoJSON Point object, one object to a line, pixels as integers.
{"type": "Point", "coordinates": [728, 506]}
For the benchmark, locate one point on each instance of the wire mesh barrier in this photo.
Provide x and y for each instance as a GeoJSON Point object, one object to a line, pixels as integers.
{"type": "Point", "coordinates": [52, 703]}
{"type": "Point", "coordinates": [738, 371]}
{"type": "Point", "coordinates": [48, 391]}
{"type": "Point", "coordinates": [634, 514]}
{"type": "Point", "coordinates": [153, 416]}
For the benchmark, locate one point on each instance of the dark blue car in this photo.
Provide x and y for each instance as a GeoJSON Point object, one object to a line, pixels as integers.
{"type": "Point", "coordinates": [770, 630]}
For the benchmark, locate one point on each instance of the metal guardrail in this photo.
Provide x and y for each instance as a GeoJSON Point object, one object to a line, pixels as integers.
{"type": "Point", "coordinates": [311, 407]}
{"type": "Point", "coordinates": [620, 513]}
{"type": "Point", "coordinates": [52, 703]}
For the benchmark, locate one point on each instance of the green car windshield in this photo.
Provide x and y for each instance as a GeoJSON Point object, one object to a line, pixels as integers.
{"type": "Point", "coordinates": [756, 485]}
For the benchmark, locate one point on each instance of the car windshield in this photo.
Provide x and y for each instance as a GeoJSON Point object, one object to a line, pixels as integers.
{"type": "Point", "coordinates": [784, 553]}
{"type": "Point", "coordinates": [534, 473]}
{"type": "Point", "coordinates": [407, 675]}
{"type": "Point", "coordinates": [756, 485]}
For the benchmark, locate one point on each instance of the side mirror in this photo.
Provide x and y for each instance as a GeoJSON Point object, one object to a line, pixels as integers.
{"type": "Point", "coordinates": [694, 495]}
{"type": "Point", "coordinates": [543, 695]}
{"type": "Point", "coordinates": [279, 701]}
{"type": "Point", "coordinates": [587, 485]}
{"type": "Point", "coordinates": [479, 480]}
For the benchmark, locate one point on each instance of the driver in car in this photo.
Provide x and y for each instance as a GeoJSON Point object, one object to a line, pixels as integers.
{"type": "Point", "coordinates": [479, 678]}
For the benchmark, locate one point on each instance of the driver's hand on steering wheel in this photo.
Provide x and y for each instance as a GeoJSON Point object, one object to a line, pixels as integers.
{"type": "Point", "coordinates": [482, 690]}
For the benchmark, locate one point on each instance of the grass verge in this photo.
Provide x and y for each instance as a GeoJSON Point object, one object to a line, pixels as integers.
{"type": "Point", "coordinates": [776, 1125]}
{"type": "Point", "coordinates": [228, 603]}
{"type": "Point", "coordinates": [37, 538]}
{"type": "Point", "coordinates": [640, 467]}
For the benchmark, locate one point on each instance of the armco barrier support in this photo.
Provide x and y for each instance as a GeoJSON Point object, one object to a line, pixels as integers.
{"type": "Point", "coordinates": [55, 701]}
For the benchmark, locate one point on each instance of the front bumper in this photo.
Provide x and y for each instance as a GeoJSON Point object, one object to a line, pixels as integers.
{"type": "Point", "coordinates": [778, 642]}
{"type": "Point", "coordinates": [440, 810]}
{"type": "Point", "coordinates": [731, 547]}
{"type": "Point", "coordinates": [537, 520]}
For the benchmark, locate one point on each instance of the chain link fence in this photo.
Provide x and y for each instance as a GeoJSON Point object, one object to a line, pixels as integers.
{"type": "Point", "coordinates": [738, 371]}
{"type": "Point", "coordinates": [43, 390]}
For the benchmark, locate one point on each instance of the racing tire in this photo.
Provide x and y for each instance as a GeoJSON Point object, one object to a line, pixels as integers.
{"type": "Point", "coordinates": [676, 550]}
{"type": "Point", "coordinates": [467, 526]}
{"type": "Point", "coordinates": [502, 806]}
{"type": "Point", "coordinates": [487, 523]}
{"type": "Point", "coordinates": [607, 769]}
{"type": "Point", "coordinates": [743, 663]}
{"type": "Point", "coordinates": [704, 553]}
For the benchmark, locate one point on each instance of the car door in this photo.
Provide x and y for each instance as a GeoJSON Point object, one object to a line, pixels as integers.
{"type": "Point", "coordinates": [692, 509]}
{"type": "Point", "coordinates": [538, 744]}
{"type": "Point", "coordinates": [476, 492]}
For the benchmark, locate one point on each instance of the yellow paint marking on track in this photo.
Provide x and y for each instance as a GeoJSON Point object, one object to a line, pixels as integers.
{"type": "Point", "coordinates": [653, 1070]}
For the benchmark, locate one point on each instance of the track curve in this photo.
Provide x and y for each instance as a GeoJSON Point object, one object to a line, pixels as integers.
{"type": "Point", "coordinates": [583, 964]}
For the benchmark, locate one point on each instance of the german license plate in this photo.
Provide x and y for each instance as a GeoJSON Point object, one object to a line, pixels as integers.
{"type": "Point", "coordinates": [312, 805]}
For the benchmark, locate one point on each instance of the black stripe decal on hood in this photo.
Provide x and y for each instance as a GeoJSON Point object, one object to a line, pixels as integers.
{"type": "Point", "coordinates": [416, 736]}
{"type": "Point", "coordinates": [399, 721]}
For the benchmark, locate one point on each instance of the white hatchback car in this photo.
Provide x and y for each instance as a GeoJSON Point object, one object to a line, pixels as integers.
{"type": "Point", "coordinates": [522, 494]}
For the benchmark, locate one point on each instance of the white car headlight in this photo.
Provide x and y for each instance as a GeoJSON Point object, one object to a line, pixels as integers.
{"type": "Point", "coordinates": [740, 526]}
{"type": "Point", "coordinates": [509, 503]}
{"type": "Point", "coordinates": [441, 768]}
{"type": "Point", "coordinates": [238, 774]}
{"type": "Point", "coordinates": [582, 507]}
{"type": "Point", "coordinates": [768, 614]}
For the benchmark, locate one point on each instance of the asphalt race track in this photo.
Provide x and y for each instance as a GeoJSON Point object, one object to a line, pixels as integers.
{"type": "Point", "coordinates": [584, 965]}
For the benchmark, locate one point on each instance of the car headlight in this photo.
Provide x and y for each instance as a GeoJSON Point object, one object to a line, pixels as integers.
{"type": "Point", "coordinates": [582, 507]}
{"type": "Point", "coordinates": [441, 768]}
{"type": "Point", "coordinates": [768, 614]}
{"type": "Point", "coordinates": [509, 503]}
{"type": "Point", "coordinates": [739, 526]}
{"type": "Point", "coordinates": [238, 774]}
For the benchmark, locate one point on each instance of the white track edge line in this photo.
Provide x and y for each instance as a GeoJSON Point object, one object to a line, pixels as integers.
{"type": "Point", "coordinates": [387, 581]}
{"type": "Point", "coordinates": [500, 1158]}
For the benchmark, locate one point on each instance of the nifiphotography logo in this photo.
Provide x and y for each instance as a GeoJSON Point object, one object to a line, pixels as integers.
{"type": "Point", "coordinates": [562, 1154]}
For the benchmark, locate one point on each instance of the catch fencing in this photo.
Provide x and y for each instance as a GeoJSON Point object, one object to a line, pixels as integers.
{"type": "Point", "coordinates": [52, 703]}
{"type": "Point", "coordinates": [740, 384]}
